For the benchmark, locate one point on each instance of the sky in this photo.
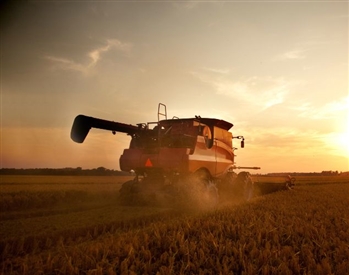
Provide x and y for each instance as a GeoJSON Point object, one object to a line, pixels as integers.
{"type": "Point", "coordinates": [277, 70]}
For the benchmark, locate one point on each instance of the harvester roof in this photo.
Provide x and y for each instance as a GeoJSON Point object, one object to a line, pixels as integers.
{"type": "Point", "coordinates": [207, 121]}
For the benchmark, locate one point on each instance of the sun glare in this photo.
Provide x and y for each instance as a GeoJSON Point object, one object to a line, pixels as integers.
{"type": "Point", "coordinates": [343, 142]}
{"type": "Point", "coordinates": [343, 139]}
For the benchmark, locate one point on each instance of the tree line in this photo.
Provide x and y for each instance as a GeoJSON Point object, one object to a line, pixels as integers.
{"type": "Point", "coordinates": [322, 173]}
{"type": "Point", "coordinates": [78, 171]}
{"type": "Point", "coordinates": [102, 171]}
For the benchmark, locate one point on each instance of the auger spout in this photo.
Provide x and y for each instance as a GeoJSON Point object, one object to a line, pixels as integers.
{"type": "Point", "coordinates": [82, 125]}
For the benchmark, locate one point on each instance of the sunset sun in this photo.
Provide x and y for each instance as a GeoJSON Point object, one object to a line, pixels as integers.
{"type": "Point", "coordinates": [343, 142]}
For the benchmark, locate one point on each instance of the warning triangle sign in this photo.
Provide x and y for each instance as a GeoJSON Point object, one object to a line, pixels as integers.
{"type": "Point", "coordinates": [148, 163]}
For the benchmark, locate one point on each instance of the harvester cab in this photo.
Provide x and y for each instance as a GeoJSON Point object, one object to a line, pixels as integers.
{"type": "Point", "coordinates": [170, 150]}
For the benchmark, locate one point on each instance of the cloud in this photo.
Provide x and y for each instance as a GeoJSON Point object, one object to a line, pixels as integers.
{"type": "Point", "coordinates": [292, 149]}
{"type": "Point", "coordinates": [284, 137]}
{"type": "Point", "coordinates": [66, 64]}
{"type": "Point", "coordinates": [291, 55]}
{"type": "Point", "coordinates": [186, 5]}
{"type": "Point", "coordinates": [328, 111]}
{"type": "Point", "coordinates": [299, 141]}
{"type": "Point", "coordinates": [289, 140]}
{"type": "Point", "coordinates": [262, 92]}
{"type": "Point", "coordinates": [217, 70]}
{"type": "Point", "coordinates": [94, 55]}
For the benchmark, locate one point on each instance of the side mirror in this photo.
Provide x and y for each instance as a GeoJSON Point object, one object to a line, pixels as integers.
{"type": "Point", "coordinates": [242, 140]}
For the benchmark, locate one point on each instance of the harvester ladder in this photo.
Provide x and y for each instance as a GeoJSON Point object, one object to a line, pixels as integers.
{"type": "Point", "coordinates": [160, 112]}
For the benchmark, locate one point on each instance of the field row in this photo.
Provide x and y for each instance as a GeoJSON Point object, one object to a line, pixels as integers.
{"type": "Point", "coordinates": [303, 231]}
{"type": "Point", "coordinates": [19, 193]}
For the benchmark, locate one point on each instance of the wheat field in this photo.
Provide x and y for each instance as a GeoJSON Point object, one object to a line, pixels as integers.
{"type": "Point", "coordinates": [75, 225]}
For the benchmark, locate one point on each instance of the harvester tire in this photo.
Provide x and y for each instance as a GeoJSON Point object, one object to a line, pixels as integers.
{"type": "Point", "coordinates": [245, 185]}
{"type": "Point", "coordinates": [147, 192]}
{"type": "Point", "coordinates": [126, 192]}
{"type": "Point", "coordinates": [289, 183]}
{"type": "Point", "coordinates": [212, 194]}
{"type": "Point", "coordinates": [208, 192]}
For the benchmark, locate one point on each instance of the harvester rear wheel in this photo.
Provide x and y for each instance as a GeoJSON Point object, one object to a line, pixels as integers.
{"type": "Point", "coordinates": [212, 196]}
{"type": "Point", "coordinates": [128, 191]}
{"type": "Point", "coordinates": [205, 190]}
{"type": "Point", "coordinates": [148, 191]}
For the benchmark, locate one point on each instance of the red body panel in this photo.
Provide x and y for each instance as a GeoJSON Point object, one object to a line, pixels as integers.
{"type": "Point", "coordinates": [217, 159]}
{"type": "Point", "coordinates": [167, 159]}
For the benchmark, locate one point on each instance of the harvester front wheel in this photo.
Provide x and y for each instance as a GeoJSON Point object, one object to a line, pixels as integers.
{"type": "Point", "coordinates": [236, 187]}
{"type": "Point", "coordinates": [246, 184]}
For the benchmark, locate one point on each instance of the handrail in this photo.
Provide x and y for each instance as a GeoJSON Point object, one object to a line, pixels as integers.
{"type": "Point", "coordinates": [162, 114]}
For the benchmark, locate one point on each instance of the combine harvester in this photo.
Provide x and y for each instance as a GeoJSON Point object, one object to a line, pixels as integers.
{"type": "Point", "coordinates": [176, 159]}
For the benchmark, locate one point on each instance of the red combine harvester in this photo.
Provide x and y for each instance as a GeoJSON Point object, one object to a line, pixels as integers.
{"type": "Point", "coordinates": [170, 155]}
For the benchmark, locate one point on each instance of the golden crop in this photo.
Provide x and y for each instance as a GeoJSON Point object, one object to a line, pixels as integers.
{"type": "Point", "coordinates": [302, 231]}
